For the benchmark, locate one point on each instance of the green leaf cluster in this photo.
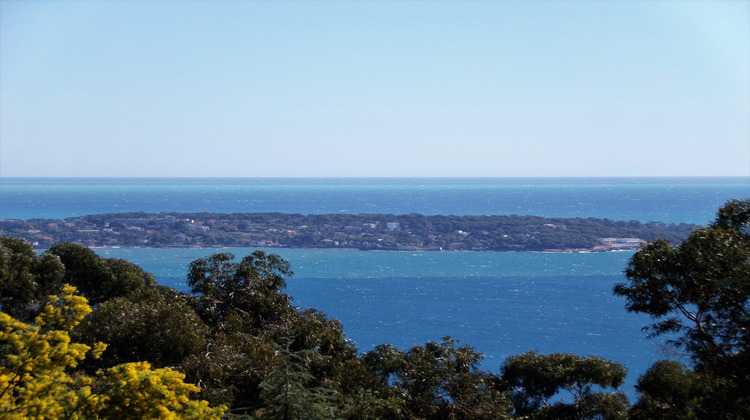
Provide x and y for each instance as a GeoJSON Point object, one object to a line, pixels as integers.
{"type": "Point", "coordinates": [697, 293]}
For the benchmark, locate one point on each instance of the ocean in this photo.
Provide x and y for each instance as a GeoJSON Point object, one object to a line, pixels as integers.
{"type": "Point", "coordinates": [669, 200]}
{"type": "Point", "coordinates": [500, 303]}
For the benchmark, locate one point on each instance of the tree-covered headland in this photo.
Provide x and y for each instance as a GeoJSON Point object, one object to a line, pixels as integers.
{"type": "Point", "coordinates": [87, 337]}
{"type": "Point", "coordinates": [359, 231]}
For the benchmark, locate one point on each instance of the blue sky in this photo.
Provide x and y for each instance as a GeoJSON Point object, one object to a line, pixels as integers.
{"type": "Point", "coordinates": [374, 89]}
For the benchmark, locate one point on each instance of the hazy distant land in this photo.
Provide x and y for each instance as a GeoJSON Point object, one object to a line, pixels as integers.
{"type": "Point", "coordinates": [413, 232]}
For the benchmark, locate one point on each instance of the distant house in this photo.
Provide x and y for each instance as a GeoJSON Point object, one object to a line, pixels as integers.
{"type": "Point", "coordinates": [622, 242]}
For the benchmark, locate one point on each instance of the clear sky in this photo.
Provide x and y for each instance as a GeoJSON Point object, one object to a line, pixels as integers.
{"type": "Point", "coordinates": [374, 89]}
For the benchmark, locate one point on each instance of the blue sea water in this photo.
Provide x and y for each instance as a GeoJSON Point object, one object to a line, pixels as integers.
{"type": "Point", "coordinates": [669, 200]}
{"type": "Point", "coordinates": [500, 303]}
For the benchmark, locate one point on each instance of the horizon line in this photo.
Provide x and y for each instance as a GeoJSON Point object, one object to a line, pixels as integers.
{"type": "Point", "coordinates": [383, 177]}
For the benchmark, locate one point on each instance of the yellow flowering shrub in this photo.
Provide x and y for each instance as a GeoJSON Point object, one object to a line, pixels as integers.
{"type": "Point", "coordinates": [134, 390]}
{"type": "Point", "coordinates": [36, 383]}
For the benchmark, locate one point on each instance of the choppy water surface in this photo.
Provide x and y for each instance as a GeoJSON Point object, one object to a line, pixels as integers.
{"type": "Point", "coordinates": [500, 303]}
{"type": "Point", "coordinates": [669, 200]}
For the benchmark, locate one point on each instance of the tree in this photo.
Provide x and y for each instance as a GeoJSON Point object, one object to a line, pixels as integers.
{"type": "Point", "coordinates": [26, 279]}
{"type": "Point", "coordinates": [440, 380]}
{"type": "Point", "coordinates": [36, 362]}
{"type": "Point", "coordinates": [668, 390]}
{"type": "Point", "coordinates": [534, 379]}
{"type": "Point", "coordinates": [155, 325]}
{"type": "Point", "coordinates": [363, 394]}
{"type": "Point", "coordinates": [700, 289]}
{"type": "Point", "coordinates": [251, 319]}
{"type": "Point", "coordinates": [734, 215]}
{"type": "Point", "coordinates": [242, 296]}
{"type": "Point", "coordinates": [288, 391]}
{"type": "Point", "coordinates": [97, 278]}
{"type": "Point", "coordinates": [231, 370]}
{"type": "Point", "coordinates": [699, 293]}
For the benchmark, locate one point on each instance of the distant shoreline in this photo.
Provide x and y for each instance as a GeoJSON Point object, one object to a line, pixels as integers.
{"type": "Point", "coordinates": [410, 232]}
{"type": "Point", "coordinates": [271, 248]}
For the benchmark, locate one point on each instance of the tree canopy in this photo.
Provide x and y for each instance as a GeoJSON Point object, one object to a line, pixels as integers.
{"type": "Point", "coordinates": [535, 378]}
{"type": "Point", "coordinates": [699, 293]}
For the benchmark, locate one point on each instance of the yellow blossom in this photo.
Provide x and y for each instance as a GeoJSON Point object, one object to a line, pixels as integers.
{"type": "Point", "coordinates": [35, 384]}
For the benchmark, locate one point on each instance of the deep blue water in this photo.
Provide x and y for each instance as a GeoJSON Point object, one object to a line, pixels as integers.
{"type": "Point", "coordinates": [500, 303]}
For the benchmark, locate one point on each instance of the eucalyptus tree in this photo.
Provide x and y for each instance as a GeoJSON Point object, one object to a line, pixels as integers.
{"type": "Point", "coordinates": [251, 317]}
{"type": "Point", "coordinates": [698, 292]}
{"type": "Point", "coordinates": [437, 381]}
{"type": "Point", "coordinates": [99, 279]}
{"type": "Point", "coordinates": [157, 325]}
{"type": "Point", "coordinates": [241, 296]}
{"type": "Point", "coordinates": [539, 383]}
{"type": "Point", "coordinates": [26, 279]}
{"type": "Point", "coordinates": [668, 390]}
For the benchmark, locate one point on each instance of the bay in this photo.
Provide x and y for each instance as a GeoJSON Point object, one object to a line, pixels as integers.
{"type": "Point", "coordinates": [500, 303]}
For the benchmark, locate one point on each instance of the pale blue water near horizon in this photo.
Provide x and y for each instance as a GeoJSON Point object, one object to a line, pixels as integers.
{"type": "Point", "coordinates": [668, 200]}
{"type": "Point", "coordinates": [500, 303]}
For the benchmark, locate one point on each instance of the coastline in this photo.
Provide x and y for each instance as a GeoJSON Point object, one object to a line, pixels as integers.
{"type": "Point", "coordinates": [364, 232]}
{"type": "Point", "coordinates": [544, 251]}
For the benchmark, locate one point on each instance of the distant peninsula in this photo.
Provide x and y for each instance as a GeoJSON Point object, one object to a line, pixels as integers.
{"type": "Point", "coordinates": [409, 232]}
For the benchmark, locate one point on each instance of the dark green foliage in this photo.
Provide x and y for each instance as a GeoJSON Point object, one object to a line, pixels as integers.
{"type": "Point", "coordinates": [97, 278]}
{"type": "Point", "coordinates": [313, 330]}
{"type": "Point", "coordinates": [230, 370]}
{"type": "Point", "coordinates": [668, 390]}
{"type": "Point", "coordinates": [734, 215]}
{"type": "Point", "coordinates": [288, 392]}
{"type": "Point", "coordinates": [699, 291]}
{"type": "Point", "coordinates": [439, 381]}
{"type": "Point", "coordinates": [156, 325]}
{"type": "Point", "coordinates": [136, 318]}
{"type": "Point", "coordinates": [363, 394]}
{"type": "Point", "coordinates": [234, 365]}
{"type": "Point", "coordinates": [255, 332]}
{"type": "Point", "coordinates": [242, 296]}
{"type": "Point", "coordinates": [26, 279]}
{"type": "Point", "coordinates": [534, 379]}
